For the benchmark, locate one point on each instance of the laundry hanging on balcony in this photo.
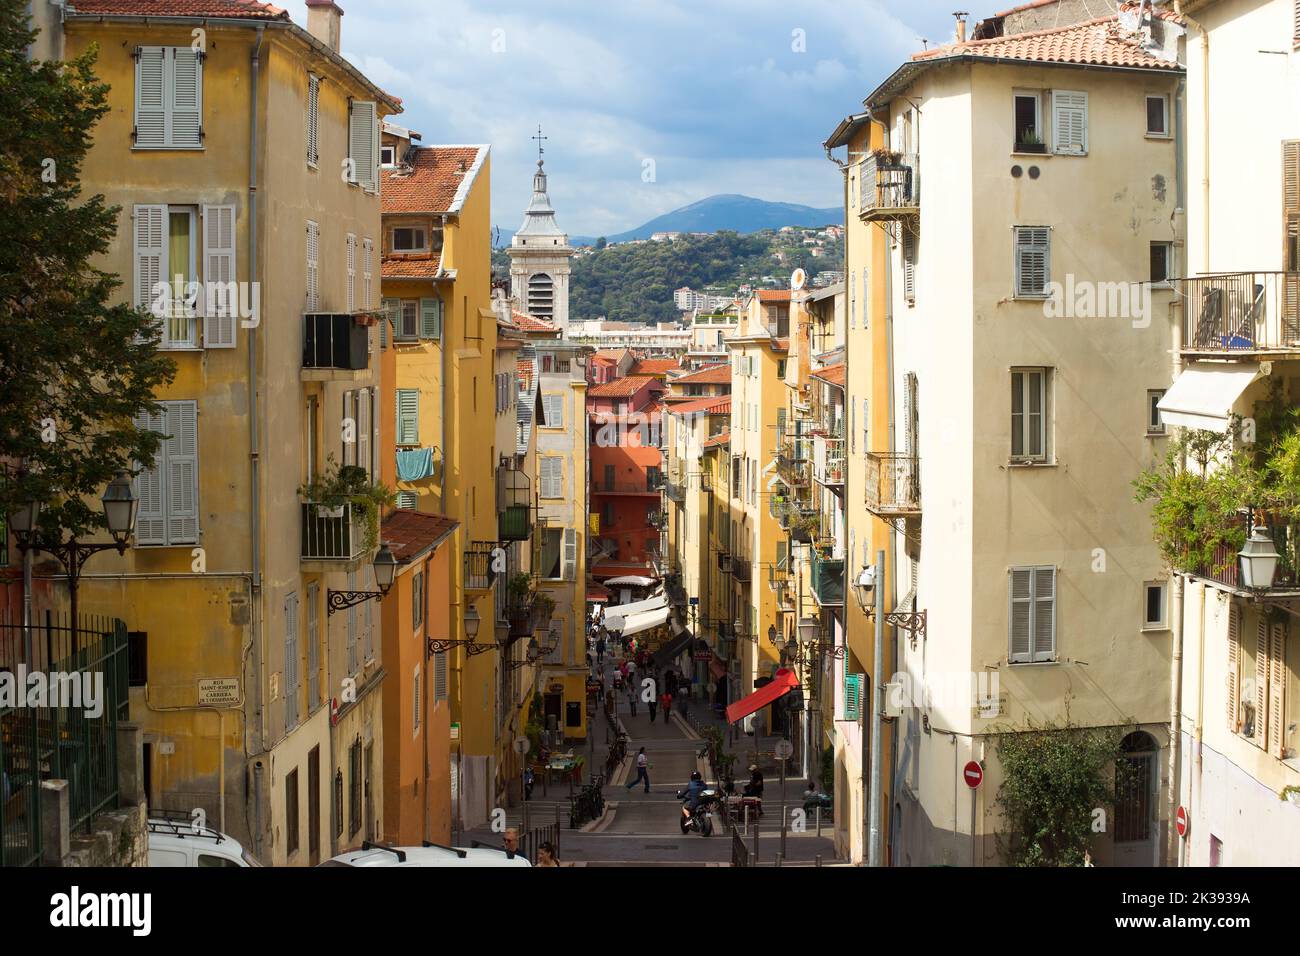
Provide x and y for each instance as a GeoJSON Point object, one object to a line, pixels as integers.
{"type": "Point", "coordinates": [415, 465]}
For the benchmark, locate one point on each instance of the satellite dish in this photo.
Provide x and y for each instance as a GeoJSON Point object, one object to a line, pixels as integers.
{"type": "Point", "coordinates": [798, 279]}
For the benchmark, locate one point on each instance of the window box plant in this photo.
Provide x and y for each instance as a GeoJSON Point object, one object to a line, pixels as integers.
{"type": "Point", "coordinates": [1030, 142]}
{"type": "Point", "coordinates": [337, 487]}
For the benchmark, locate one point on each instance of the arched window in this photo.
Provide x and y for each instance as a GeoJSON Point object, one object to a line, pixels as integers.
{"type": "Point", "coordinates": [541, 296]}
{"type": "Point", "coordinates": [1135, 788]}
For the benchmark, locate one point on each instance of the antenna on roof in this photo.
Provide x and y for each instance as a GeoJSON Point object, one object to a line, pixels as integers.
{"type": "Point", "coordinates": [925, 44]}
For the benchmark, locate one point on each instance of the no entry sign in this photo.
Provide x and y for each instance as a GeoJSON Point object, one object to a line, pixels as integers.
{"type": "Point", "coordinates": [1180, 821]}
{"type": "Point", "coordinates": [973, 774]}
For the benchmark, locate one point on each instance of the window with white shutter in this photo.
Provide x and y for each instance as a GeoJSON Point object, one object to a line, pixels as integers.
{"type": "Point", "coordinates": [166, 270]}
{"type": "Point", "coordinates": [367, 273]}
{"type": "Point", "coordinates": [408, 416]}
{"type": "Point", "coordinates": [553, 411]}
{"type": "Point", "coordinates": [1032, 615]}
{"type": "Point", "coordinates": [221, 299]}
{"type": "Point", "coordinates": [1033, 261]}
{"type": "Point", "coordinates": [569, 568]}
{"type": "Point", "coordinates": [313, 120]}
{"type": "Point", "coordinates": [313, 267]}
{"type": "Point", "coordinates": [363, 143]}
{"type": "Point", "coordinates": [291, 662]}
{"type": "Point", "coordinates": [909, 267]}
{"type": "Point", "coordinates": [439, 677]}
{"type": "Point", "coordinates": [552, 483]}
{"type": "Point", "coordinates": [168, 493]}
{"type": "Point", "coordinates": [1069, 122]}
{"type": "Point", "coordinates": [168, 98]}
{"type": "Point", "coordinates": [350, 266]}
{"type": "Point", "coordinates": [363, 432]}
{"type": "Point", "coordinates": [407, 499]}
{"type": "Point", "coordinates": [348, 451]}
{"type": "Point", "coordinates": [150, 230]}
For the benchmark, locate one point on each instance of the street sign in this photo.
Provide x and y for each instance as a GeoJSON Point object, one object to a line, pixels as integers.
{"type": "Point", "coordinates": [973, 773]}
{"type": "Point", "coordinates": [1180, 821]}
{"type": "Point", "coordinates": [783, 749]}
{"type": "Point", "coordinates": [455, 731]}
{"type": "Point", "coordinates": [521, 745]}
{"type": "Point", "coordinates": [702, 657]}
{"type": "Point", "coordinates": [694, 601]}
{"type": "Point", "coordinates": [219, 691]}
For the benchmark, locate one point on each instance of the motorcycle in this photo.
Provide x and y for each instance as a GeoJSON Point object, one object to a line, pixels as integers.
{"type": "Point", "coordinates": [699, 819]}
{"type": "Point", "coordinates": [823, 800]}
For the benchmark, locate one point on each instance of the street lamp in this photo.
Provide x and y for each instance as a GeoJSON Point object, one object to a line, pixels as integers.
{"type": "Point", "coordinates": [119, 502]}
{"type": "Point", "coordinates": [863, 585]}
{"type": "Point", "coordinates": [23, 521]}
{"type": "Point", "coordinates": [1258, 559]}
{"type": "Point", "coordinates": [385, 567]}
{"type": "Point", "coordinates": [808, 628]}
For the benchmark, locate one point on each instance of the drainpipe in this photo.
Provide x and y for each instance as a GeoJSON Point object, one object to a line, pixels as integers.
{"type": "Point", "coordinates": [1205, 133]}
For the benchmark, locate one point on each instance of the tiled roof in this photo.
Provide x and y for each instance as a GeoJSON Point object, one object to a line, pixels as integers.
{"type": "Point", "coordinates": [719, 440]}
{"type": "Point", "coordinates": [409, 533]}
{"type": "Point", "coordinates": [620, 387]}
{"type": "Point", "coordinates": [717, 405]}
{"type": "Point", "coordinates": [710, 375]}
{"type": "Point", "coordinates": [611, 355]}
{"type": "Point", "coordinates": [834, 374]}
{"type": "Point", "coordinates": [431, 183]}
{"type": "Point", "coordinates": [655, 366]}
{"type": "Point", "coordinates": [524, 369]}
{"type": "Point", "coordinates": [402, 267]}
{"type": "Point", "coordinates": [181, 8]}
{"type": "Point", "coordinates": [1098, 42]}
{"type": "Point", "coordinates": [530, 323]}
{"type": "Point", "coordinates": [773, 295]}
{"type": "Point", "coordinates": [781, 345]}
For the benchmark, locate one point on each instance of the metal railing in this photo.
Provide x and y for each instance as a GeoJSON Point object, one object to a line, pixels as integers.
{"type": "Point", "coordinates": [478, 566]}
{"type": "Point", "coordinates": [675, 491]}
{"type": "Point", "coordinates": [72, 738]}
{"type": "Point", "coordinates": [332, 534]}
{"type": "Point", "coordinates": [889, 185]}
{"type": "Point", "coordinates": [1241, 312]}
{"type": "Point", "coordinates": [827, 579]}
{"type": "Point", "coordinates": [1225, 567]}
{"type": "Point", "coordinates": [739, 852]}
{"type": "Point", "coordinates": [532, 839]}
{"type": "Point", "coordinates": [893, 483]}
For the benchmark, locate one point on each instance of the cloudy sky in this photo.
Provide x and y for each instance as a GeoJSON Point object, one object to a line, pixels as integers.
{"type": "Point", "coordinates": [699, 96]}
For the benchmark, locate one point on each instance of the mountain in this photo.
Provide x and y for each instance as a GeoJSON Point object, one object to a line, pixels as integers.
{"type": "Point", "coordinates": [730, 212]}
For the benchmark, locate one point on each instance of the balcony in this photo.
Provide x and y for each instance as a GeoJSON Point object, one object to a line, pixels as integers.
{"type": "Point", "coordinates": [890, 186]}
{"type": "Point", "coordinates": [675, 492]}
{"type": "Point", "coordinates": [515, 523]}
{"type": "Point", "coordinates": [828, 460]}
{"type": "Point", "coordinates": [740, 569]}
{"type": "Point", "coordinates": [827, 579]}
{"type": "Point", "coordinates": [335, 347]}
{"type": "Point", "coordinates": [893, 485]}
{"type": "Point", "coordinates": [1225, 568]}
{"type": "Point", "coordinates": [333, 539]}
{"type": "Point", "coordinates": [646, 487]}
{"type": "Point", "coordinates": [478, 566]}
{"type": "Point", "coordinates": [1241, 313]}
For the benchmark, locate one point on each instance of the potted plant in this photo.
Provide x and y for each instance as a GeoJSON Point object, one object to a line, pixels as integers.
{"type": "Point", "coordinates": [335, 488]}
{"type": "Point", "coordinates": [1030, 142]}
{"type": "Point", "coordinates": [804, 527]}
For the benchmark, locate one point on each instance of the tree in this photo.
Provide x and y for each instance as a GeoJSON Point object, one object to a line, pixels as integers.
{"type": "Point", "coordinates": [74, 370]}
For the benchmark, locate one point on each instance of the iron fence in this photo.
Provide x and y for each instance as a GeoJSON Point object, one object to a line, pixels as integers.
{"type": "Point", "coordinates": [70, 689]}
{"type": "Point", "coordinates": [531, 840]}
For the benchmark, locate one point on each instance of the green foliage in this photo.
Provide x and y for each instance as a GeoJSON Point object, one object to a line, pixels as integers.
{"type": "Point", "coordinates": [721, 760]}
{"type": "Point", "coordinates": [1054, 777]}
{"type": "Point", "coordinates": [336, 486]}
{"type": "Point", "coordinates": [67, 357]}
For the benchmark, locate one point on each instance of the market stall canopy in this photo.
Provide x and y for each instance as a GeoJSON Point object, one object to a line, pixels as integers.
{"type": "Point", "coordinates": [616, 614]}
{"type": "Point", "coordinates": [784, 681]}
{"type": "Point", "coordinates": [643, 622]}
{"type": "Point", "coordinates": [632, 581]}
{"type": "Point", "coordinates": [668, 653]}
{"type": "Point", "coordinates": [1203, 395]}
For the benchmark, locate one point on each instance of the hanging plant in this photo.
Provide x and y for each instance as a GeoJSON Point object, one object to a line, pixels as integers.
{"type": "Point", "coordinates": [337, 487]}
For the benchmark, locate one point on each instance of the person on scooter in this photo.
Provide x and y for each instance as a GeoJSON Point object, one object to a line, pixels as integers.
{"type": "Point", "coordinates": [694, 789]}
{"type": "Point", "coordinates": [755, 786]}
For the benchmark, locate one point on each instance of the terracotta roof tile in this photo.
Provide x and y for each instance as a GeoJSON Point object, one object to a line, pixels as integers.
{"type": "Point", "coordinates": [717, 405]}
{"type": "Point", "coordinates": [710, 375]}
{"type": "Point", "coordinates": [408, 533]}
{"type": "Point", "coordinates": [719, 440]}
{"type": "Point", "coordinates": [530, 323]}
{"type": "Point", "coordinates": [1098, 42]}
{"type": "Point", "coordinates": [834, 374]}
{"type": "Point", "coordinates": [655, 366]}
{"type": "Point", "coordinates": [431, 182]}
{"type": "Point", "coordinates": [773, 295]}
{"type": "Point", "coordinates": [611, 355]}
{"type": "Point", "coordinates": [401, 267]}
{"type": "Point", "coordinates": [181, 8]}
{"type": "Point", "coordinates": [620, 387]}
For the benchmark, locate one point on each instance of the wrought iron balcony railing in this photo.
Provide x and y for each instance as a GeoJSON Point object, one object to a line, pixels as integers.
{"type": "Point", "coordinates": [890, 186]}
{"type": "Point", "coordinates": [827, 579]}
{"type": "Point", "coordinates": [332, 534]}
{"type": "Point", "coordinates": [1241, 312]}
{"type": "Point", "coordinates": [893, 484]}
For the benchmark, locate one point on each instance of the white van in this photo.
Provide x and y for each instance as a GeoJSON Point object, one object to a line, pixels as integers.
{"type": "Point", "coordinates": [181, 843]}
{"type": "Point", "coordinates": [377, 855]}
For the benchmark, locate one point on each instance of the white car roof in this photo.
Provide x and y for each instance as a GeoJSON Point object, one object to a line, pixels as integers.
{"type": "Point", "coordinates": [428, 856]}
{"type": "Point", "coordinates": [167, 833]}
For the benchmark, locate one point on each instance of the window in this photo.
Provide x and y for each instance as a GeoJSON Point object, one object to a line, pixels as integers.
{"type": "Point", "coordinates": [909, 267]}
{"type": "Point", "coordinates": [354, 786]}
{"type": "Point", "coordinates": [1069, 123]}
{"type": "Point", "coordinates": [168, 98]}
{"type": "Point", "coordinates": [291, 813]}
{"type": "Point", "coordinates": [168, 493]}
{"type": "Point", "coordinates": [350, 265]}
{"type": "Point", "coordinates": [541, 296]}
{"type": "Point", "coordinates": [439, 677]}
{"type": "Point", "coordinates": [388, 156]}
{"type": "Point", "coordinates": [313, 266]}
{"type": "Point", "coordinates": [367, 273]}
{"type": "Point", "coordinates": [1291, 213]}
{"type": "Point", "coordinates": [1033, 261]}
{"type": "Point", "coordinates": [780, 368]}
{"type": "Point", "coordinates": [853, 684]}
{"type": "Point", "coordinates": [166, 270]}
{"type": "Point", "coordinates": [552, 477]}
{"type": "Point", "coordinates": [408, 321]}
{"type": "Point", "coordinates": [552, 554]}
{"type": "Point", "coordinates": [408, 416]}
{"type": "Point", "coordinates": [1257, 679]}
{"type": "Point", "coordinates": [653, 477]}
{"type": "Point", "coordinates": [1032, 616]}
{"type": "Point", "coordinates": [406, 499]}
{"type": "Point", "coordinates": [1158, 115]}
{"type": "Point", "coordinates": [415, 700]}
{"type": "Point", "coordinates": [553, 411]}
{"type": "Point", "coordinates": [1029, 432]}
{"type": "Point", "coordinates": [417, 600]}
{"type": "Point", "coordinates": [338, 803]}
{"type": "Point", "coordinates": [1028, 119]}
{"type": "Point", "coordinates": [363, 144]}
{"type": "Point", "coordinates": [313, 648]}
{"type": "Point", "coordinates": [1155, 424]}
{"type": "Point", "coordinates": [1154, 615]}
{"type": "Point", "coordinates": [410, 239]}
{"type": "Point", "coordinates": [1162, 262]}
{"type": "Point", "coordinates": [291, 662]}
{"type": "Point", "coordinates": [431, 318]}
{"type": "Point", "coordinates": [137, 658]}
{"type": "Point", "coordinates": [313, 120]}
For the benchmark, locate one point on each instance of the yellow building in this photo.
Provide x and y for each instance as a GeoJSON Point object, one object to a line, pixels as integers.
{"type": "Point", "coordinates": [244, 149]}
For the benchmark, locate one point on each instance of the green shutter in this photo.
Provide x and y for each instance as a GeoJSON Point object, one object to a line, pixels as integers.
{"type": "Point", "coordinates": [408, 416]}
{"type": "Point", "coordinates": [852, 696]}
{"type": "Point", "coordinates": [431, 318]}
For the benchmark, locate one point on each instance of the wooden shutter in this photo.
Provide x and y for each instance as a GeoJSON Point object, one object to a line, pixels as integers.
{"type": "Point", "coordinates": [1277, 677]}
{"type": "Point", "coordinates": [351, 267]}
{"type": "Point", "coordinates": [1291, 222]}
{"type": "Point", "coordinates": [569, 561]}
{"type": "Point", "coordinates": [1234, 669]}
{"type": "Point", "coordinates": [1044, 614]}
{"type": "Point", "coordinates": [186, 98]}
{"type": "Point", "coordinates": [1033, 260]}
{"type": "Point", "coordinates": [182, 473]}
{"type": "Point", "coordinates": [150, 105]}
{"type": "Point", "coordinates": [291, 661]}
{"type": "Point", "coordinates": [151, 512]}
{"type": "Point", "coordinates": [363, 429]}
{"type": "Point", "coordinates": [221, 301]}
{"type": "Point", "coordinates": [852, 696]}
{"type": "Point", "coordinates": [367, 272]}
{"type": "Point", "coordinates": [1021, 615]}
{"type": "Point", "coordinates": [151, 266]}
{"type": "Point", "coordinates": [1069, 122]}
{"type": "Point", "coordinates": [408, 416]}
{"type": "Point", "coordinates": [1261, 683]}
{"type": "Point", "coordinates": [363, 141]}
{"type": "Point", "coordinates": [415, 698]}
{"type": "Point", "coordinates": [431, 318]}
{"type": "Point", "coordinates": [313, 266]}
{"type": "Point", "coordinates": [909, 265]}
{"type": "Point", "coordinates": [313, 119]}
{"type": "Point", "coordinates": [439, 677]}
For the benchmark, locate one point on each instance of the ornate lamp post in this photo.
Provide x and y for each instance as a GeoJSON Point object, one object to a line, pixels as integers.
{"type": "Point", "coordinates": [385, 565]}
{"type": "Point", "coordinates": [1258, 558]}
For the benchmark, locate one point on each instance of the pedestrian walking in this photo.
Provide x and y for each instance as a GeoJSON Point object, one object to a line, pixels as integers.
{"type": "Point", "coordinates": [631, 698]}
{"type": "Point", "coordinates": [642, 770]}
{"type": "Point", "coordinates": [653, 704]}
{"type": "Point", "coordinates": [546, 855]}
{"type": "Point", "coordinates": [666, 704]}
{"type": "Point", "coordinates": [670, 681]}
{"type": "Point", "coordinates": [600, 651]}
{"type": "Point", "coordinates": [683, 692]}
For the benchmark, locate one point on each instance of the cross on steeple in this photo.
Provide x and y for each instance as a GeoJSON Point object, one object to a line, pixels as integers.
{"type": "Point", "coordinates": [540, 139]}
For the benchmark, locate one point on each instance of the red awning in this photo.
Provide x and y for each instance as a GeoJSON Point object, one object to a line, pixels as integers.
{"type": "Point", "coordinates": [781, 684]}
{"type": "Point", "coordinates": [716, 669]}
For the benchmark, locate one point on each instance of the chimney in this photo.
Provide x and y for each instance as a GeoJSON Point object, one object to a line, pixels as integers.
{"type": "Point", "coordinates": [323, 22]}
{"type": "Point", "coordinates": [961, 25]}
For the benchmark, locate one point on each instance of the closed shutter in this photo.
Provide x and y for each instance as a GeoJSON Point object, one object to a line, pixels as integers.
{"type": "Point", "coordinates": [415, 698]}
{"type": "Point", "coordinates": [1033, 260]}
{"type": "Point", "coordinates": [1234, 670]}
{"type": "Point", "coordinates": [349, 448]}
{"type": "Point", "coordinates": [221, 302]}
{"type": "Point", "coordinates": [313, 267]}
{"type": "Point", "coordinates": [1291, 221]}
{"type": "Point", "coordinates": [553, 411]}
{"type": "Point", "coordinates": [1069, 122]}
{"type": "Point", "coordinates": [151, 512]}
{"type": "Point", "coordinates": [367, 273]}
{"type": "Point", "coordinates": [909, 266]}
{"type": "Point", "coordinates": [408, 416]}
{"type": "Point", "coordinates": [186, 98]}
{"type": "Point", "coordinates": [1021, 616]}
{"type": "Point", "coordinates": [1277, 677]}
{"type": "Point", "coordinates": [313, 119]}
{"type": "Point", "coordinates": [439, 677]}
{"type": "Point", "coordinates": [552, 478]}
{"type": "Point", "coordinates": [150, 254]}
{"type": "Point", "coordinates": [852, 696]}
{"type": "Point", "coordinates": [569, 567]}
{"type": "Point", "coordinates": [431, 318]}
{"type": "Point", "coordinates": [363, 430]}
{"type": "Point", "coordinates": [375, 444]}
{"type": "Point", "coordinates": [291, 661]}
{"type": "Point", "coordinates": [351, 266]}
{"type": "Point", "coordinates": [150, 105]}
{"type": "Point", "coordinates": [1261, 683]}
{"type": "Point", "coordinates": [183, 473]}
{"type": "Point", "coordinates": [363, 140]}
{"type": "Point", "coordinates": [853, 299]}
{"type": "Point", "coordinates": [911, 415]}
{"type": "Point", "coordinates": [1044, 614]}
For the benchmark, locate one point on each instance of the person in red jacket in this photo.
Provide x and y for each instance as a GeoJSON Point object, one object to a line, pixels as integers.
{"type": "Point", "coordinates": [666, 704]}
